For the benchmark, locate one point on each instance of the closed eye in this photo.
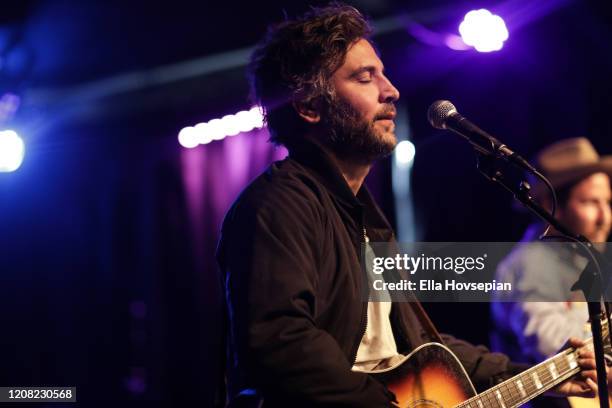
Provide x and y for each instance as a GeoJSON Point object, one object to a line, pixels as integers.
{"type": "Point", "coordinates": [364, 74]}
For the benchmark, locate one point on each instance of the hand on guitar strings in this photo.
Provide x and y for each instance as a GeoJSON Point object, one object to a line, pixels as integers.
{"type": "Point", "coordinates": [583, 384]}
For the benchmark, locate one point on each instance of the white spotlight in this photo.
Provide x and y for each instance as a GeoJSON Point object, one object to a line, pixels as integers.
{"type": "Point", "coordinates": [231, 127]}
{"type": "Point", "coordinates": [244, 121]}
{"type": "Point", "coordinates": [12, 150]}
{"type": "Point", "coordinates": [203, 133]}
{"type": "Point", "coordinates": [188, 137]}
{"type": "Point", "coordinates": [258, 116]}
{"type": "Point", "coordinates": [218, 129]}
{"type": "Point", "coordinates": [404, 153]}
{"type": "Point", "coordinates": [483, 30]}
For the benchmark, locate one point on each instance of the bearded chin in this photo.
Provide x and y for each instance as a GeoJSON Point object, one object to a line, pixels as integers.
{"type": "Point", "coordinates": [351, 138]}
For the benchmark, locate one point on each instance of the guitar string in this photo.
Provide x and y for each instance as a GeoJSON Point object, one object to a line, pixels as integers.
{"type": "Point", "coordinates": [488, 396]}
{"type": "Point", "coordinates": [544, 375]}
{"type": "Point", "coordinates": [529, 385]}
{"type": "Point", "coordinates": [561, 365]}
{"type": "Point", "coordinates": [542, 372]}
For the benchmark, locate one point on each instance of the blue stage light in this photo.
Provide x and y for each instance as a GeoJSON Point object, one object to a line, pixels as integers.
{"type": "Point", "coordinates": [12, 150]}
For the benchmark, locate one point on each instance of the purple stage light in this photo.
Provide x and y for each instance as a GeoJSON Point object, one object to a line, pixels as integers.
{"type": "Point", "coordinates": [483, 30]}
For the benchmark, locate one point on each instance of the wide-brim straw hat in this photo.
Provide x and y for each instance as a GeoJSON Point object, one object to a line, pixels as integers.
{"type": "Point", "coordinates": [568, 161]}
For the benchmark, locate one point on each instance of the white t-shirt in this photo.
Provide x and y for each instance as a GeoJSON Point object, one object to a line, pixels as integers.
{"type": "Point", "coordinates": [377, 349]}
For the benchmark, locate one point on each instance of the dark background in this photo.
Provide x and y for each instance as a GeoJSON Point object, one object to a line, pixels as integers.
{"type": "Point", "coordinates": [108, 229]}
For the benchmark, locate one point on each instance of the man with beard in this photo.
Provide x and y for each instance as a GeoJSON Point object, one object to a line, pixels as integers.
{"type": "Point", "coordinates": [299, 331]}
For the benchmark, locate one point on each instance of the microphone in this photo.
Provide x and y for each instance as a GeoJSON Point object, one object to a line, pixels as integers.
{"type": "Point", "coordinates": [443, 115]}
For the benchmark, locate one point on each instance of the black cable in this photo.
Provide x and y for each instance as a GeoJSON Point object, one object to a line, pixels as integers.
{"type": "Point", "coordinates": [553, 196]}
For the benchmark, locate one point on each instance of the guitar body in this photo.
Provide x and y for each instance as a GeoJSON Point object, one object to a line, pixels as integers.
{"type": "Point", "coordinates": [429, 377]}
{"type": "Point", "coordinates": [576, 402]}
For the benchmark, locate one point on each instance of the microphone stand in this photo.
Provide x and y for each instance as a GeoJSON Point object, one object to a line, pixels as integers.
{"type": "Point", "coordinates": [591, 279]}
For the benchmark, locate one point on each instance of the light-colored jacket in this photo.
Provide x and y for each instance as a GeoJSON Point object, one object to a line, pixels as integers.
{"type": "Point", "coordinates": [547, 313]}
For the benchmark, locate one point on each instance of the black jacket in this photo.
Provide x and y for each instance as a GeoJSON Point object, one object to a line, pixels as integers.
{"type": "Point", "coordinates": [289, 257]}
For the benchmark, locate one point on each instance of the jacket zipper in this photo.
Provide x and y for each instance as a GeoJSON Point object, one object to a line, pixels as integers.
{"type": "Point", "coordinates": [364, 311]}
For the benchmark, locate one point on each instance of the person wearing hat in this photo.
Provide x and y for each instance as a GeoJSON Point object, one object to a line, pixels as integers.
{"type": "Point", "coordinates": [533, 328]}
{"type": "Point", "coordinates": [574, 167]}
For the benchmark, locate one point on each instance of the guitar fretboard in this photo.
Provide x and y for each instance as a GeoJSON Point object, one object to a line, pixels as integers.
{"type": "Point", "coordinates": [528, 384]}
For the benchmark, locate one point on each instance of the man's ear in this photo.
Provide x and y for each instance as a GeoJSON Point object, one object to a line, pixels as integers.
{"type": "Point", "coordinates": [309, 111]}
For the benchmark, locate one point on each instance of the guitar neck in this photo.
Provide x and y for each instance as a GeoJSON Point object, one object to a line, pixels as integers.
{"type": "Point", "coordinates": [528, 384]}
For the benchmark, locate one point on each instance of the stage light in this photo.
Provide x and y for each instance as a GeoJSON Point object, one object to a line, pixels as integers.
{"type": "Point", "coordinates": [243, 120]}
{"type": "Point", "coordinates": [215, 130]}
{"type": "Point", "coordinates": [404, 153]}
{"type": "Point", "coordinates": [249, 120]}
{"type": "Point", "coordinates": [231, 125]}
{"type": "Point", "coordinates": [218, 129]}
{"type": "Point", "coordinates": [187, 137]}
{"type": "Point", "coordinates": [203, 134]}
{"type": "Point", "coordinates": [257, 117]}
{"type": "Point", "coordinates": [483, 30]}
{"type": "Point", "coordinates": [12, 150]}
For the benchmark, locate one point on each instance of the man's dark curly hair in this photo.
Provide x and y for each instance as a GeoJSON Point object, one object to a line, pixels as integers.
{"type": "Point", "coordinates": [295, 61]}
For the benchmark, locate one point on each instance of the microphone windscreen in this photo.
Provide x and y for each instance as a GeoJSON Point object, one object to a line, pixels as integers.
{"type": "Point", "coordinates": [439, 112]}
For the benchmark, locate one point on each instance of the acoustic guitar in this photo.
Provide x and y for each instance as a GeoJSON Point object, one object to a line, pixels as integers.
{"type": "Point", "coordinates": [432, 377]}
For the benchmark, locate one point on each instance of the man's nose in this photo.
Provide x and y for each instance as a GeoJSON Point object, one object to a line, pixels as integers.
{"type": "Point", "coordinates": [389, 92]}
{"type": "Point", "coordinates": [604, 214]}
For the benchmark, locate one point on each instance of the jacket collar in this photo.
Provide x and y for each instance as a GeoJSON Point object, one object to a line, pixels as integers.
{"type": "Point", "coordinates": [322, 167]}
